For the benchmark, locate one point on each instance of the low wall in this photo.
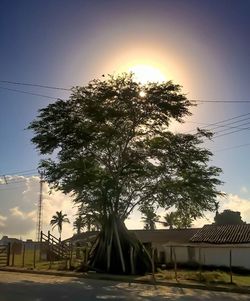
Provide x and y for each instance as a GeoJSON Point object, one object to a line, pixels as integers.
{"type": "Point", "coordinates": [209, 255]}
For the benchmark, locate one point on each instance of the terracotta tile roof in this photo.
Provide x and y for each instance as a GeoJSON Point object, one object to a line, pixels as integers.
{"type": "Point", "coordinates": [165, 235]}
{"type": "Point", "coordinates": [156, 236]}
{"type": "Point", "coordinates": [223, 234]}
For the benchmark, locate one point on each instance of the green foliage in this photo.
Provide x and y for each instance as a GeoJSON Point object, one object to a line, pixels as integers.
{"type": "Point", "coordinates": [114, 150]}
{"type": "Point", "coordinates": [149, 217]}
{"type": "Point", "coordinates": [177, 220]}
{"type": "Point", "coordinates": [79, 224]}
{"type": "Point", "coordinates": [86, 220]}
{"type": "Point", "coordinates": [57, 221]}
{"type": "Point", "coordinates": [228, 217]}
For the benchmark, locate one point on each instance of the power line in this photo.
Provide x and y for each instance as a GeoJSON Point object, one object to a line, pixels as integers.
{"type": "Point", "coordinates": [11, 188]}
{"type": "Point", "coordinates": [20, 172]}
{"type": "Point", "coordinates": [233, 127]}
{"type": "Point", "coordinates": [231, 132]}
{"type": "Point", "coordinates": [8, 178]}
{"type": "Point", "coordinates": [13, 182]}
{"type": "Point", "coordinates": [30, 93]}
{"type": "Point", "coordinates": [228, 126]}
{"type": "Point", "coordinates": [232, 147]}
{"type": "Point", "coordinates": [34, 85]}
{"type": "Point", "coordinates": [69, 90]}
{"type": "Point", "coordinates": [220, 101]}
{"type": "Point", "coordinates": [220, 122]}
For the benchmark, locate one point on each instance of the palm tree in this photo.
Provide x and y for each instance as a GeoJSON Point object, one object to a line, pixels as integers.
{"type": "Point", "coordinates": [57, 220]}
{"type": "Point", "coordinates": [79, 224]}
{"type": "Point", "coordinates": [150, 218]}
{"type": "Point", "coordinates": [216, 205]}
{"type": "Point", "coordinates": [177, 220]}
{"type": "Point", "coordinates": [170, 220]}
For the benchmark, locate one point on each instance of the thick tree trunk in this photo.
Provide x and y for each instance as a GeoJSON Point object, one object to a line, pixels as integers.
{"type": "Point", "coordinates": [111, 252]}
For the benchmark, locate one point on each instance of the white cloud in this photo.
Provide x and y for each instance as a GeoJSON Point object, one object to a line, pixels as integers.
{"type": "Point", "coordinates": [232, 202]}
{"type": "Point", "coordinates": [18, 209]}
{"type": "Point", "coordinates": [57, 201]}
{"type": "Point", "coordinates": [2, 220]}
{"type": "Point", "coordinates": [18, 222]}
{"type": "Point", "coordinates": [244, 189]}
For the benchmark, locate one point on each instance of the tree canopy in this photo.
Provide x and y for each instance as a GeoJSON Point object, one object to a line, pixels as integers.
{"type": "Point", "coordinates": [113, 151]}
{"type": "Point", "coordinates": [228, 217]}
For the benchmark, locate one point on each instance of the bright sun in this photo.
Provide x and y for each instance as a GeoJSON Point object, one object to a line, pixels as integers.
{"type": "Point", "coordinates": [146, 73]}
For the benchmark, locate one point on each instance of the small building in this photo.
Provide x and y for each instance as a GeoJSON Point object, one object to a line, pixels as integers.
{"type": "Point", "coordinates": [212, 245]}
{"type": "Point", "coordinates": [222, 245]}
{"type": "Point", "coordinates": [5, 240]}
{"type": "Point", "coordinates": [159, 238]}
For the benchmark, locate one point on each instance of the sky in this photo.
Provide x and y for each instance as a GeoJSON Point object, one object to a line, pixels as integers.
{"type": "Point", "coordinates": [202, 45]}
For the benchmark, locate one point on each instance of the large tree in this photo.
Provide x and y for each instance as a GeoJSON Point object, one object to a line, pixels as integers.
{"type": "Point", "coordinates": [112, 149]}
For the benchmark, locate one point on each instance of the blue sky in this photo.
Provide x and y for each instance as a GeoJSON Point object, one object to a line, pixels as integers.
{"type": "Point", "coordinates": [202, 45]}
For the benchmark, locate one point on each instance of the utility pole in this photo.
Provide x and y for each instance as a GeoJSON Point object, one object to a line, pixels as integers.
{"type": "Point", "coordinates": [39, 209]}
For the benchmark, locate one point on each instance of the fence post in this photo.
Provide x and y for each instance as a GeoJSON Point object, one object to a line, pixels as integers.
{"type": "Point", "coordinates": [8, 254]}
{"type": "Point", "coordinates": [48, 236]}
{"type": "Point", "coordinates": [23, 254]}
{"type": "Point", "coordinates": [86, 254]}
{"type": "Point", "coordinates": [13, 256]}
{"type": "Point", "coordinates": [70, 255]}
{"type": "Point", "coordinates": [34, 258]}
{"type": "Point", "coordinates": [153, 264]}
{"type": "Point", "coordinates": [40, 246]}
{"type": "Point", "coordinates": [200, 263]}
{"type": "Point", "coordinates": [230, 265]}
{"type": "Point", "coordinates": [132, 260]}
{"type": "Point", "coordinates": [175, 265]}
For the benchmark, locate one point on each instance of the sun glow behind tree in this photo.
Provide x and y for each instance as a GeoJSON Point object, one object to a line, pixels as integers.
{"type": "Point", "coordinates": [146, 73]}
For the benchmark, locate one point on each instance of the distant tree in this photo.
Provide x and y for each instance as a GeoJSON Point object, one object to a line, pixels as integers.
{"type": "Point", "coordinates": [79, 224]}
{"type": "Point", "coordinates": [217, 205]}
{"type": "Point", "coordinates": [177, 220]}
{"type": "Point", "coordinates": [85, 222]}
{"type": "Point", "coordinates": [90, 218]}
{"type": "Point", "coordinates": [183, 222]}
{"type": "Point", "coordinates": [149, 217]}
{"type": "Point", "coordinates": [112, 149]}
{"type": "Point", "coordinates": [57, 221]}
{"type": "Point", "coordinates": [170, 220]}
{"type": "Point", "coordinates": [228, 217]}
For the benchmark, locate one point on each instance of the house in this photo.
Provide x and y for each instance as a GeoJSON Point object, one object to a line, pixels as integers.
{"type": "Point", "coordinates": [158, 238]}
{"type": "Point", "coordinates": [224, 245]}
{"type": "Point", "coordinates": [212, 245]}
{"type": "Point", "coordinates": [152, 238]}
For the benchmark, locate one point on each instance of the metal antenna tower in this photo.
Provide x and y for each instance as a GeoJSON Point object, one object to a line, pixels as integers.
{"type": "Point", "coordinates": [40, 209]}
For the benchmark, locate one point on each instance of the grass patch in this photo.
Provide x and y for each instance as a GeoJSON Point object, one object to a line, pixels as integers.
{"type": "Point", "coordinates": [207, 277]}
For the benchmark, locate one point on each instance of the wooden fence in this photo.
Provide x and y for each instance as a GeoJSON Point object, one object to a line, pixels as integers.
{"type": "Point", "coordinates": [4, 255]}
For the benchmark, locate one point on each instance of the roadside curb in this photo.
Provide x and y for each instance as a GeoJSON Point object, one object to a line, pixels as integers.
{"type": "Point", "coordinates": [120, 278]}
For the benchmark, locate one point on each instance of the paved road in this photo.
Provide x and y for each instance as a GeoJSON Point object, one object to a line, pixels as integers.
{"type": "Point", "coordinates": [28, 287]}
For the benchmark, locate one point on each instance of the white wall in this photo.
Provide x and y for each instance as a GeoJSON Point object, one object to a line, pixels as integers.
{"type": "Point", "coordinates": [214, 255]}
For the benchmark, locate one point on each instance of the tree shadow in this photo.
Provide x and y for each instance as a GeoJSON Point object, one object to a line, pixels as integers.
{"type": "Point", "coordinates": [63, 289]}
